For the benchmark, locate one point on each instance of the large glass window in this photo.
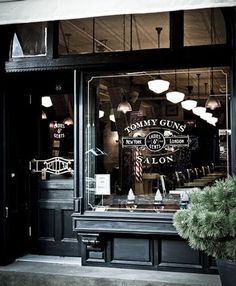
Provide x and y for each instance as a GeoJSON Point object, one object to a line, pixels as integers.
{"type": "Point", "coordinates": [114, 33]}
{"type": "Point", "coordinates": [56, 137]}
{"type": "Point", "coordinates": [144, 152]}
{"type": "Point", "coordinates": [204, 27]}
{"type": "Point", "coordinates": [29, 40]}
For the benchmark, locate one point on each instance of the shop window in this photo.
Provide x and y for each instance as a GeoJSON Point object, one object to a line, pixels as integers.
{"type": "Point", "coordinates": [29, 40]}
{"type": "Point", "coordinates": [204, 27]}
{"type": "Point", "coordinates": [114, 33]}
{"type": "Point", "coordinates": [147, 155]}
{"type": "Point", "coordinates": [56, 136]}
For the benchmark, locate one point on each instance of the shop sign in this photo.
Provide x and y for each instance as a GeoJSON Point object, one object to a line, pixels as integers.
{"type": "Point", "coordinates": [59, 130]}
{"type": "Point", "coordinates": [164, 138]}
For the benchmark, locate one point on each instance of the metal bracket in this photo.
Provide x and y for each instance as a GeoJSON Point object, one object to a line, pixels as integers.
{"type": "Point", "coordinates": [54, 165]}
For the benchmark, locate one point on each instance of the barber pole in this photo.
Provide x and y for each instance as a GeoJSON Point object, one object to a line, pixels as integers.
{"type": "Point", "coordinates": [138, 170]}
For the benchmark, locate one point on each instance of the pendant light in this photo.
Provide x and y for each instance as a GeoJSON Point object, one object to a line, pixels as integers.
{"type": "Point", "coordinates": [112, 115]}
{"type": "Point", "coordinates": [189, 104]}
{"type": "Point", "coordinates": [199, 110]}
{"type": "Point", "coordinates": [68, 121]}
{"type": "Point", "coordinates": [212, 120]}
{"type": "Point", "coordinates": [158, 85]}
{"type": "Point", "coordinates": [175, 96]}
{"type": "Point", "coordinates": [43, 116]}
{"type": "Point", "coordinates": [101, 112]}
{"type": "Point", "coordinates": [206, 115]}
{"type": "Point", "coordinates": [212, 101]}
{"type": "Point", "coordinates": [46, 101]}
{"type": "Point", "coordinates": [124, 105]}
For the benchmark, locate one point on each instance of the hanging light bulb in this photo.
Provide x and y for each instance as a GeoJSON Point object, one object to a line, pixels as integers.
{"type": "Point", "coordinates": [199, 110]}
{"type": "Point", "coordinates": [206, 115]}
{"type": "Point", "coordinates": [212, 101]}
{"type": "Point", "coordinates": [158, 85]}
{"type": "Point", "coordinates": [46, 101]}
{"type": "Point", "coordinates": [189, 104]}
{"type": "Point", "coordinates": [68, 121]}
{"type": "Point", "coordinates": [175, 96]}
{"type": "Point", "coordinates": [124, 106]}
{"type": "Point", "coordinates": [212, 120]}
{"type": "Point", "coordinates": [44, 116]}
{"type": "Point", "coordinates": [112, 115]}
{"type": "Point", "coordinates": [101, 113]}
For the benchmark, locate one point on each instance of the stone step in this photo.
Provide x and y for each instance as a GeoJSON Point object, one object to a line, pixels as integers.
{"type": "Point", "coordinates": [66, 272]}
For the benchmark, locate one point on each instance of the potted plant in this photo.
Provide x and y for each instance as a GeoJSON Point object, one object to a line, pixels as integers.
{"type": "Point", "coordinates": [209, 224]}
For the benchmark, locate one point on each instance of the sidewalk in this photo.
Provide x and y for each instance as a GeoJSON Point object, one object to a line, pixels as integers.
{"type": "Point", "coordinates": [59, 271]}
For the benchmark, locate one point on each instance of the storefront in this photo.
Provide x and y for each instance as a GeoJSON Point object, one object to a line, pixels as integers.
{"type": "Point", "coordinates": [99, 170]}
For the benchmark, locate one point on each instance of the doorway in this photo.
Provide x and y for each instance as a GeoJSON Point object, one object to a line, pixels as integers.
{"type": "Point", "coordinates": [39, 183]}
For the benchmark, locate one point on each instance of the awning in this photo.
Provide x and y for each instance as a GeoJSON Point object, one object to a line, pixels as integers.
{"type": "Point", "coordinates": [25, 11]}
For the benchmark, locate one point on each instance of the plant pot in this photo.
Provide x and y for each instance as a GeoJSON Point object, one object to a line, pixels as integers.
{"type": "Point", "coordinates": [227, 271]}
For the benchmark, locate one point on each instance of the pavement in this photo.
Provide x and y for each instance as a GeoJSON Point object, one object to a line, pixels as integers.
{"type": "Point", "coordinates": [33, 270]}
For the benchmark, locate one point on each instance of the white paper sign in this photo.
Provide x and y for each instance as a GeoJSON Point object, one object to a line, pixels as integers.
{"type": "Point", "coordinates": [103, 184]}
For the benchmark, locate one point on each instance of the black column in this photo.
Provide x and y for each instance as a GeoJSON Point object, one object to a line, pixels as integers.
{"type": "Point", "coordinates": [233, 95]}
{"type": "Point", "coordinates": [5, 36]}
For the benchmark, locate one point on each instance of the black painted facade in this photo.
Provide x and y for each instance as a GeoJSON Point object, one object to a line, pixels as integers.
{"type": "Point", "coordinates": [130, 240]}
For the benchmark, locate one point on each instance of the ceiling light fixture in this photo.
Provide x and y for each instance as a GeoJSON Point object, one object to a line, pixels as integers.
{"type": "Point", "coordinates": [212, 120]}
{"type": "Point", "coordinates": [158, 85]}
{"type": "Point", "coordinates": [101, 113]}
{"type": "Point", "coordinates": [175, 96]}
{"type": "Point", "coordinates": [124, 105]}
{"type": "Point", "coordinates": [189, 104]}
{"type": "Point", "coordinates": [206, 115]}
{"type": "Point", "coordinates": [212, 101]}
{"type": "Point", "coordinates": [46, 101]}
{"type": "Point", "coordinates": [112, 115]}
{"type": "Point", "coordinates": [68, 121]}
{"type": "Point", "coordinates": [44, 116]}
{"type": "Point", "coordinates": [199, 110]}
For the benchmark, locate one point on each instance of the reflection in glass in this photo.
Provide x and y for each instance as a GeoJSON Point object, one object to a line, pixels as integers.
{"type": "Point", "coordinates": [198, 27]}
{"type": "Point", "coordinates": [29, 40]}
{"type": "Point", "coordinates": [113, 33]}
{"type": "Point", "coordinates": [150, 157]}
{"type": "Point", "coordinates": [57, 129]}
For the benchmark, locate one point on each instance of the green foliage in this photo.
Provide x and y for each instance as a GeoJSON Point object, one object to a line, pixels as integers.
{"type": "Point", "coordinates": [209, 223]}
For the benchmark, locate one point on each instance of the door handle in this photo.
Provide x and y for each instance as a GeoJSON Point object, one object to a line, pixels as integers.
{"type": "Point", "coordinates": [6, 212]}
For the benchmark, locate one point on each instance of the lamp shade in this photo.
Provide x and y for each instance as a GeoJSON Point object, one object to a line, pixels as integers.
{"type": "Point", "coordinates": [101, 113]}
{"type": "Point", "coordinates": [212, 102]}
{"type": "Point", "coordinates": [212, 120]}
{"type": "Point", "coordinates": [112, 115]}
{"type": "Point", "coordinates": [68, 121]}
{"type": "Point", "coordinates": [44, 116]}
{"type": "Point", "coordinates": [46, 101]}
{"type": "Point", "coordinates": [175, 96]}
{"type": "Point", "coordinates": [199, 110]}
{"type": "Point", "coordinates": [206, 115]}
{"type": "Point", "coordinates": [189, 104]}
{"type": "Point", "coordinates": [124, 106]}
{"type": "Point", "coordinates": [158, 85]}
